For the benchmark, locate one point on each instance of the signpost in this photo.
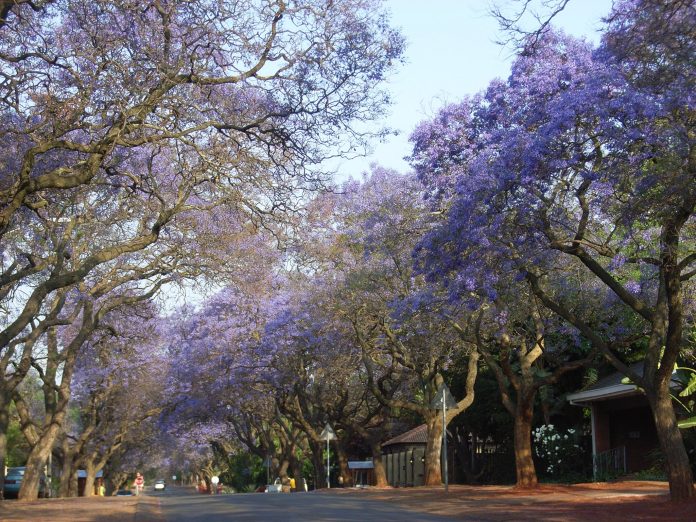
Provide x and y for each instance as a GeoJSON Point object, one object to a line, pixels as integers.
{"type": "Point", "coordinates": [443, 400]}
{"type": "Point", "coordinates": [268, 469]}
{"type": "Point", "coordinates": [329, 434]}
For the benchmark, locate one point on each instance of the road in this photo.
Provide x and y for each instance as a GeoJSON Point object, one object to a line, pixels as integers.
{"type": "Point", "coordinates": [179, 505]}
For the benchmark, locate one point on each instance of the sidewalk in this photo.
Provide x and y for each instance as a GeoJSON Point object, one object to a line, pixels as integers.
{"type": "Point", "coordinates": [144, 508]}
{"type": "Point", "coordinates": [644, 501]}
{"type": "Point", "coordinates": [82, 509]}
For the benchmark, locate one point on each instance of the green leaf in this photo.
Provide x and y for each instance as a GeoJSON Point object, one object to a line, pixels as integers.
{"type": "Point", "coordinates": [540, 373]}
{"type": "Point", "coordinates": [690, 388]}
{"type": "Point", "coordinates": [687, 423]}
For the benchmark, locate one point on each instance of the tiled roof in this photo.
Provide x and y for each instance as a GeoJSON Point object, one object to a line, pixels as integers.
{"type": "Point", "coordinates": [415, 436]}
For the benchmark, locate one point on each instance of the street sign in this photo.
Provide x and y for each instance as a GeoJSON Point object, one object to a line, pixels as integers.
{"type": "Point", "coordinates": [443, 392]}
{"type": "Point", "coordinates": [173, 477]}
{"type": "Point", "coordinates": [327, 433]}
{"type": "Point", "coordinates": [214, 480]}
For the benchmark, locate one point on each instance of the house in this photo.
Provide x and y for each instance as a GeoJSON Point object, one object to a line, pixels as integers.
{"type": "Point", "coordinates": [362, 472]}
{"type": "Point", "coordinates": [404, 458]}
{"type": "Point", "coordinates": [82, 480]}
{"type": "Point", "coordinates": [623, 430]}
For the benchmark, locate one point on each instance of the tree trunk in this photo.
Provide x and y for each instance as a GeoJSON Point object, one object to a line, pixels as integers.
{"type": "Point", "coordinates": [318, 463]}
{"type": "Point", "coordinates": [679, 474]}
{"type": "Point", "coordinates": [380, 474]}
{"type": "Point", "coordinates": [55, 403]}
{"type": "Point", "coordinates": [4, 426]}
{"type": "Point", "coordinates": [74, 485]}
{"type": "Point", "coordinates": [524, 463]}
{"type": "Point", "coordinates": [42, 448]}
{"type": "Point", "coordinates": [344, 473]}
{"type": "Point", "coordinates": [29, 490]}
{"type": "Point", "coordinates": [117, 481]}
{"type": "Point", "coordinates": [296, 467]}
{"type": "Point", "coordinates": [433, 446]}
{"type": "Point", "coordinates": [283, 470]}
{"type": "Point", "coordinates": [68, 473]}
{"type": "Point", "coordinates": [91, 475]}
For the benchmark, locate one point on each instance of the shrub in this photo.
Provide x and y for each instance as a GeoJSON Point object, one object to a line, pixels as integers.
{"type": "Point", "coordinates": [559, 453]}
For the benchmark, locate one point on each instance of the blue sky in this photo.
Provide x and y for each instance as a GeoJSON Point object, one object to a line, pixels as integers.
{"type": "Point", "coordinates": [451, 52]}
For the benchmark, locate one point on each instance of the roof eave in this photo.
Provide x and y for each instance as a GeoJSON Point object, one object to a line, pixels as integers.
{"type": "Point", "coordinates": [610, 392]}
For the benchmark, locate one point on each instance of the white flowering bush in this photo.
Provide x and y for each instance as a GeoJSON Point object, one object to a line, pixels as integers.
{"type": "Point", "coordinates": [558, 451]}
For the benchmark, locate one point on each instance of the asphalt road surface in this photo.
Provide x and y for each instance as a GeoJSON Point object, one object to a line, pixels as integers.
{"type": "Point", "coordinates": [180, 506]}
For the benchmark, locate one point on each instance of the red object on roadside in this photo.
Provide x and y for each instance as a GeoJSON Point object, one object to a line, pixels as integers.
{"type": "Point", "coordinates": [139, 483]}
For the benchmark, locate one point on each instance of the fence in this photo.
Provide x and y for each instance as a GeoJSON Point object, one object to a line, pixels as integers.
{"type": "Point", "coordinates": [610, 463]}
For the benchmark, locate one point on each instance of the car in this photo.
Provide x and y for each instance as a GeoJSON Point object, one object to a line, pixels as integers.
{"type": "Point", "coordinates": [159, 484]}
{"type": "Point", "coordinates": [124, 493]}
{"type": "Point", "coordinates": [13, 481]}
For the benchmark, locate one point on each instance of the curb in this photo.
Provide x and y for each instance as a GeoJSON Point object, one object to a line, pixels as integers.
{"type": "Point", "coordinates": [148, 509]}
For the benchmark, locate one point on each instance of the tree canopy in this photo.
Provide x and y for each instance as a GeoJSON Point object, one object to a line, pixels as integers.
{"type": "Point", "coordinates": [178, 266]}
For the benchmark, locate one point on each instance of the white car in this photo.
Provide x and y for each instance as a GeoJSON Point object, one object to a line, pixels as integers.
{"type": "Point", "coordinates": [159, 485]}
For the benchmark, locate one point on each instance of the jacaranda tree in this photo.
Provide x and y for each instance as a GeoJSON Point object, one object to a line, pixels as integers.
{"type": "Point", "coordinates": [584, 160]}
{"type": "Point", "coordinates": [152, 110]}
